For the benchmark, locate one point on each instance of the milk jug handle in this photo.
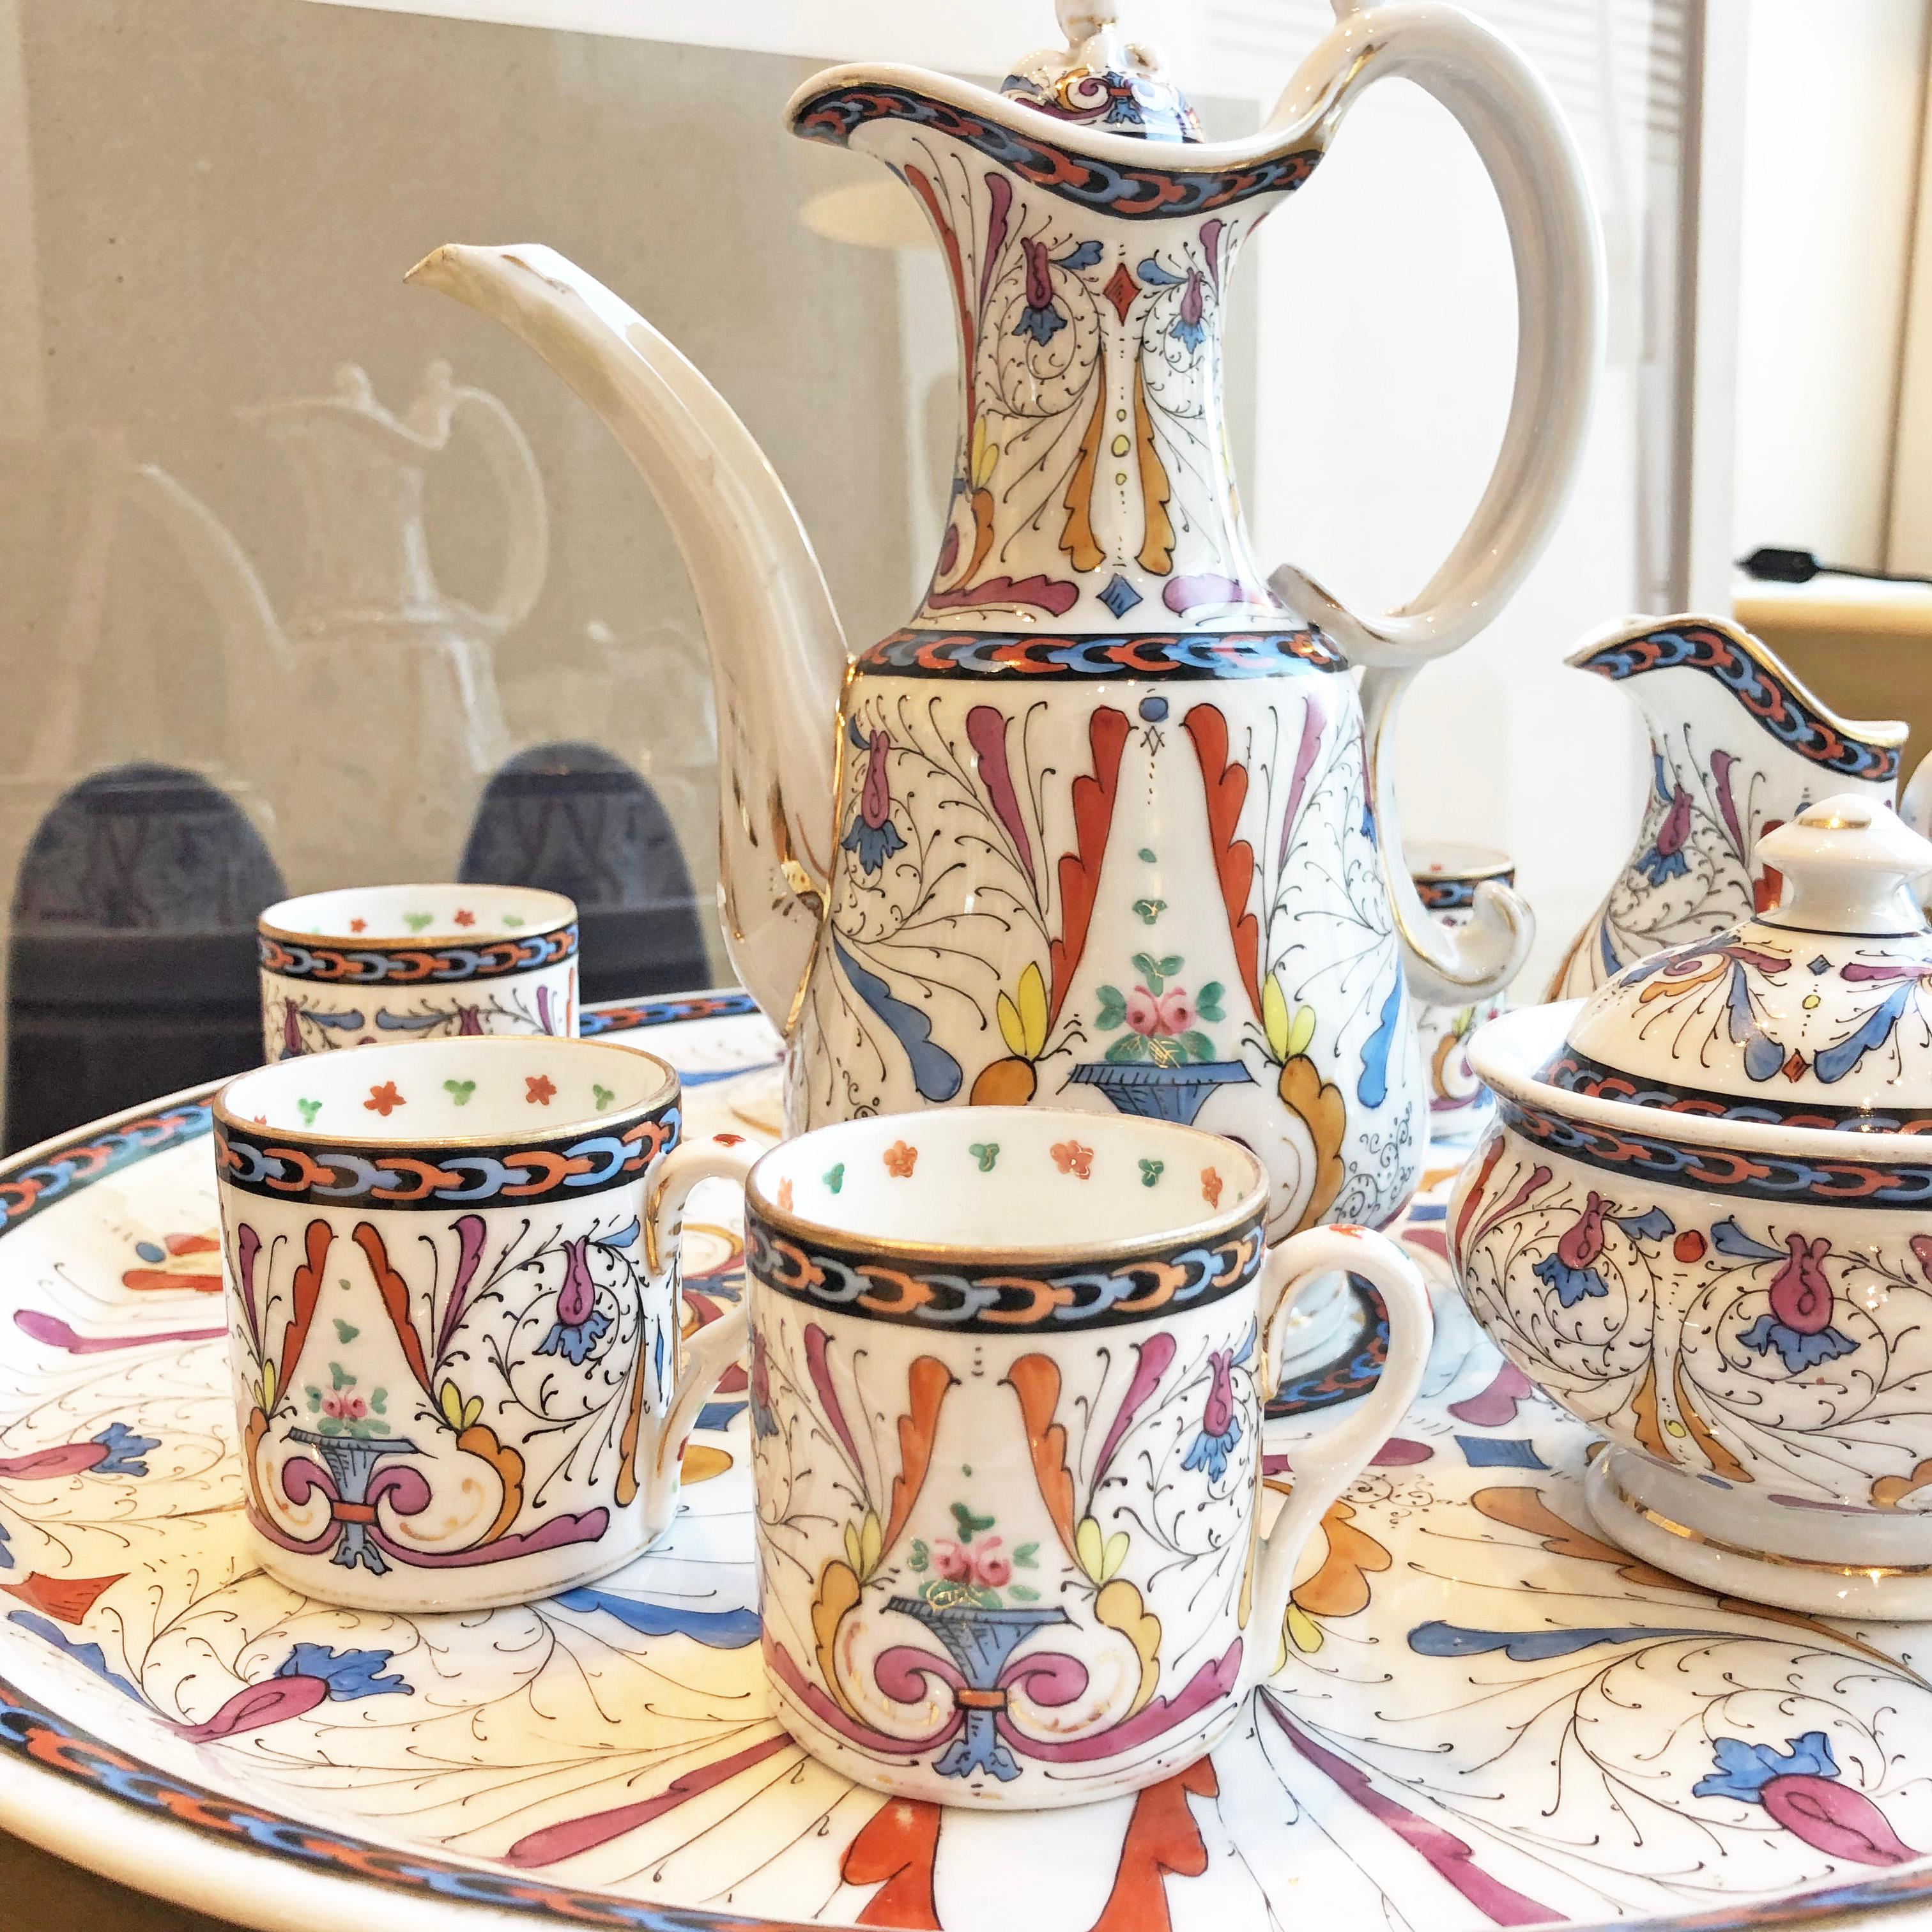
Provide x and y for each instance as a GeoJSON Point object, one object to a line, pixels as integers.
{"type": "Point", "coordinates": [1519, 132]}
{"type": "Point", "coordinates": [514, 465]}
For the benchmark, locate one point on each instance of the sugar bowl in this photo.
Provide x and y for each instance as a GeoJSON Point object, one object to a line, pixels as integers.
{"type": "Point", "coordinates": [1702, 1221]}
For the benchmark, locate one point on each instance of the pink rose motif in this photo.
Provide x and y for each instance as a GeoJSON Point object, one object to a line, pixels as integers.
{"type": "Point", "coordinates": [991, 1563]}
{"type": "Point", "coordinates": [344, 1407]}
{"type": "Point", "coordinates": [952, 1561]}
{"type": "Point", "coordinates": [1176, 1012]}
{"type": "Point", "coordinates": [1143, 1011]}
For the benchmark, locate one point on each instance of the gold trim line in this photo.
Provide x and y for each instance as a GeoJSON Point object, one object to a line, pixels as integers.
{"type": "Point", "coordinates": [1815, 1564]}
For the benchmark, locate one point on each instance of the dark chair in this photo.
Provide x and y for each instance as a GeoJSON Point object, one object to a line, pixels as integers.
{"type": "Point", "coordinates": [132, 970]}
{"type": "Point", "coordinates": [573, 818]}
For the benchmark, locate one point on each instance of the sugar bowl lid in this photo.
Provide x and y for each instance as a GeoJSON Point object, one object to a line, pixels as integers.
{"type": "Point", "coordinates": [1816, 1013]}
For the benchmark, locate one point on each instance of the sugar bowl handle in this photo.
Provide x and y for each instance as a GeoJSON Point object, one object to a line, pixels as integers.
{"type": "Point", "coordinates": [1325, 1466]}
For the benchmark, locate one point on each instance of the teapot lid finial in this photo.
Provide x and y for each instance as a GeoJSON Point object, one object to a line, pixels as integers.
{"type": "Point", "coordinates": [1848, 863]}
{"type": "Point", "coordinates": [1080, 20]}
{"type": "Point", "coordinates": [1102, 80]}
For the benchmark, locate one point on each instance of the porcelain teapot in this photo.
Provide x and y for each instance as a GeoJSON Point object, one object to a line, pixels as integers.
{"type": "Point", "coordinates": [1105, 823]}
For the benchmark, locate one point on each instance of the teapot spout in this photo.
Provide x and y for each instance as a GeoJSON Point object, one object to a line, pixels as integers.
{"type": "Point", "coordinates": [778, 653]}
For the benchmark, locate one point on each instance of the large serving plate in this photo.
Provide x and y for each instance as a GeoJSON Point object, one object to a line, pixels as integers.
{"type": "Point", "coordinates": [1484, 1715]}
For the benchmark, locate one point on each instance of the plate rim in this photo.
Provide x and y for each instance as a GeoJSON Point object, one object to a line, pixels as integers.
{"type": "Point", "coordinates": [84, 1798]}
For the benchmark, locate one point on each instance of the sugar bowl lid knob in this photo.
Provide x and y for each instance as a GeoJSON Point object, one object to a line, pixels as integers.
{"type": "Point", "coordinates": [1848, 863]}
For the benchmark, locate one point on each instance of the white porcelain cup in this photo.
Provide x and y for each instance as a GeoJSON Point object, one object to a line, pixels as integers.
{"type": "Point", "coordinates": [1446, 874]}
{"type": "Point", "coordinates": [1007, 1373]}
{"type": "Point", "coordinates": [453, 1312]}
{"type": "Point", "coordinates": [383, 964]}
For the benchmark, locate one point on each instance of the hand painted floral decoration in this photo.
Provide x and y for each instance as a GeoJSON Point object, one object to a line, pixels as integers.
{"type": "Point", "coordinates": [1220, 1426]}
{"type": "Point", "coordinates": [1802, 1788]}
{"type": "Point", "coordinates": [973, 1568]}
{"type": "Point", "coordinates": [872, 837]}
{"type": "Point", "coordinates": [764, 1423]}
{"type": "Point", "coordinates": [1798, 1325]}
{"type": "Point", "coordinates": [1160, 1018]}
{"type": "Point", "coordinates": [579, 1322]}
{"type": "Point", "coordinates": [1666, 859]}
{"type": "Point", "coordinates": [1571, 1269]}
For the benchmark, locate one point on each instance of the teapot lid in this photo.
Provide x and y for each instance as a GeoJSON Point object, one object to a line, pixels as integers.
{"type": "Point", "coordinates": [1103, 79]}
{"type": "Point", "coordinates": [425, 426]}
{"type": "Point", "coordinates": [1816, 1012]}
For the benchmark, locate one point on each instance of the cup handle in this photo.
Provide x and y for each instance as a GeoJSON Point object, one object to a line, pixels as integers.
{"type": "Point", "coordinates": [714, 1348]}
{"type": "Point", "coordinates": [1325, 1467]}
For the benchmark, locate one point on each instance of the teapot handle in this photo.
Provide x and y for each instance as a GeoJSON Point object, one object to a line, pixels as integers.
{"type": "Point", "coordinates": [513, 464]}
{"type": "Point", "coordinates": [1518, 130]}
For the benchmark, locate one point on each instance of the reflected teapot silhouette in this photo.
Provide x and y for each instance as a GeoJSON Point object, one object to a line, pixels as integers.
{"type": "Point", "coordinates": [375, 695]}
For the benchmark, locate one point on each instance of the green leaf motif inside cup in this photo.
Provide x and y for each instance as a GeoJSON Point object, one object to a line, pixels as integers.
{"type": "Point", "coordinates": [985, 1153]}
{"type": "Point", "coordinates": [308, 1109]}
{"type": "Point", "coordinates": [1150, 1171]}
{"type": "Point", "coordinates": [512, 919]}
{"type": "Point", "coordinates": [835, 1178]}
{"type": "Point", "coordinates": [603, 1096]}
{"type": "Point", "coordinates": [416, 921]}
{"type": "Point", "coordinates": [459, 1091]}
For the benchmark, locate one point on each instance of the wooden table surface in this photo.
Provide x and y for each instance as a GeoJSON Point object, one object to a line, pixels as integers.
{"type": "Point", "coordinates": [46, 1893]}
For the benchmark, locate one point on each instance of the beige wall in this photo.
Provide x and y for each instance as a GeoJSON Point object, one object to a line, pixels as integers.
{"type": "Point", "coordinates": [207, 206]}
{"type": "Point", "coordinates": [1833, 105]}
{"type": "Point", "coordinates": [1910, 538]}
{"type": "Point", "coordinates": [204, 220]}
